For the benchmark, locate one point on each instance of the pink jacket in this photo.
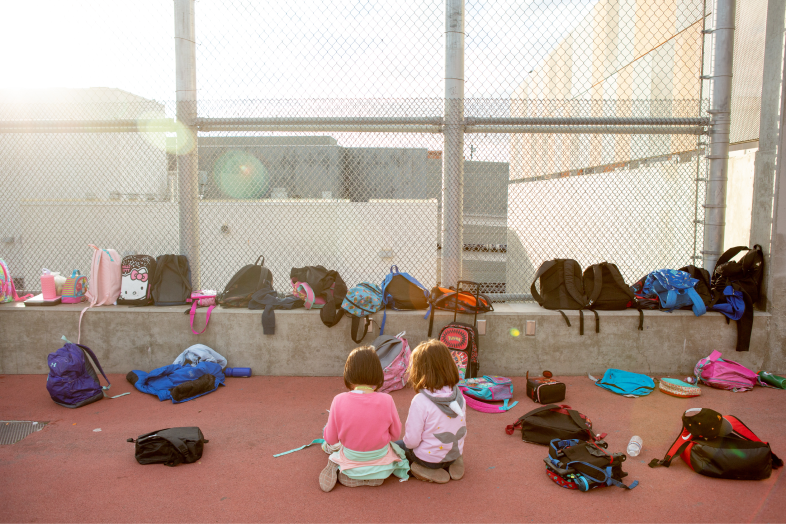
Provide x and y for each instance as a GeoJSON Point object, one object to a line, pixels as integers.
{"type": "Point", "coordinates": [430, 433]}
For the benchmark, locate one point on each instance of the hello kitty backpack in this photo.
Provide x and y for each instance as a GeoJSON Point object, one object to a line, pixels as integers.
{"type": "Point", "coordinates": [394, 354]}
{"type": "Point", "coordinates": [136, 274]}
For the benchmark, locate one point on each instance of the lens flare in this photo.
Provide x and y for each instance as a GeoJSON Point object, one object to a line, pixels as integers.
{"type": "Point", "coordinates": [514, 332]}
{"type": "Point", "coordinates": [241, 175]}
{"type": "Point", "coordinates": [165, 134]}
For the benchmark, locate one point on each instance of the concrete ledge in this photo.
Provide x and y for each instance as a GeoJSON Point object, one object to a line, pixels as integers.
{"type": "Point", "coordinates": [126, 338]}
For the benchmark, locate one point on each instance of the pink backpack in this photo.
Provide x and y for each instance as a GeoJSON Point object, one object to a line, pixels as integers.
{"type": "Point", "coordinates": [105, 281]}
{"type": "Point", "coordinates": [393, 353]}
{"type": "Point", "coordinates": [7, 289]}
{"type": "Point", "coordinates": [725, 374]}
{"type": "Point", "coordinates": [479, 392]}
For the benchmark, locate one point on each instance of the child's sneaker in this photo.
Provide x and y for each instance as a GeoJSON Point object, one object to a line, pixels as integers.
{"type": "Point", "coordinates": [328, 477]}
{"type": "Point", "coordinates": [354, 483]}
{"type": "Point", "coordinates": [456, 469]}
{"type": "Point", "coordinates": [439, 476]}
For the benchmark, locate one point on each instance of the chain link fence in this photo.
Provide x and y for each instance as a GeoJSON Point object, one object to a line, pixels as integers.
{"type": "Point", "coordinates": [320, 130]}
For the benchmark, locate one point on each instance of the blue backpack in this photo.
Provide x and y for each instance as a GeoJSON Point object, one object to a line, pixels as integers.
{"type": "Point", "coordinates": [625, 383]}
{"type": "Point", "coordinates": [72, 380]}
{"type": "Point", "coordinates": [675, 289]}
{"type": "Point", "coordinates": [402, 292]}
{"type": "Point", "coordinates": [361, 301]}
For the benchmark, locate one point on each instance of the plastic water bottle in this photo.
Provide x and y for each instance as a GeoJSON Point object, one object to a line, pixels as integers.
{"type": "Point", "coordinates": [634, 446]}
{"type": "Point", "coordinates": [237, 372]}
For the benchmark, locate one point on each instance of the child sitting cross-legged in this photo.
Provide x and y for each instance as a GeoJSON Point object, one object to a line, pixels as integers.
{"type": "Point", "coordinates": [361, 425]}
{"type": "Point", "coordinates": [436, 424]}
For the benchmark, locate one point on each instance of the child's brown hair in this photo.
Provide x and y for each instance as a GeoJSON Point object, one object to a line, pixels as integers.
{"type": "Point", "coordinates": [363, 368]}
{"type": "Point", "coordinates": [432, 367]}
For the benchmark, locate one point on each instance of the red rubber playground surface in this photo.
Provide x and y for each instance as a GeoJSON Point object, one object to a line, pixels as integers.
{"type": "Point", "coordinates": [68, 472]}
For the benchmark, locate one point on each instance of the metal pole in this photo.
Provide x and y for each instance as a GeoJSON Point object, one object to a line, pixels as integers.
{"type": "Point", "coordinates": [764, 170]}
{"type": "Point", "coordinates": [453, 158]}
{"type": "Point", "coordinates": [188, 161]}
{"type": "Point", "coordinates": [715, 200]}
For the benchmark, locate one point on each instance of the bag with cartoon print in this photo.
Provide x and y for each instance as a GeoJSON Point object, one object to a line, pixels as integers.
{"type": "Point", "coordinates": [136, 275]}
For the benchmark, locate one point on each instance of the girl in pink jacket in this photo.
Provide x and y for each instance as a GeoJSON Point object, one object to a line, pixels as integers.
{"type": "Point", "coordinates": [436, 424]}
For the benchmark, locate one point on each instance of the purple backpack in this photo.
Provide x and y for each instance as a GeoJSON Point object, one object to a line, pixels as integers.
{"type": "Point", "coordinates": [725, 374]}
{"type": "Point", "coordinates": [480, 391]}
{"type": "Point", "coordinates": [72, 381]}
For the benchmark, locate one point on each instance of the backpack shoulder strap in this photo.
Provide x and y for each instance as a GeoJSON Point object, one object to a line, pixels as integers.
{"type": "Point", "coordinates": [597, 282]}
{"type": "Point", "coordinates": [728, 255]}
{"type": "Point", "coordinates": [741, 429]}
{"type": "Point", "coordinates": [676, 449]}
{"type": "Point", "coordinates": [542, 269]}
{"type": "Point", "coordinates": [570, 282]}
{"type": "Point", "coordinates": [94, 360]}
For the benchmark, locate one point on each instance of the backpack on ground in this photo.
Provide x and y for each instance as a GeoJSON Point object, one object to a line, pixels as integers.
{"type": "Point", "coordinates": [104, 283]}
{"type": "Point", "coordinates": [402, 291]}
{"type": "Point", "coordinates": [171, 281]}
{"type": "Point", "coordinates": [243, 284]}
{"type": "Point", "coordinates": [171, 446]}
{"type": "Point", "coordinates": [744, 276]}
{"type": "Point", "coordinates": [562, 287]}
{"type": "Point", "coordinates": [480, 392]}
{"type": "Point", "coordinates": [606, 290]}
{"type": "Point", "coordinates": [725, 374]}
{"type": "Point", "coordinates": [361, 301]}
{"type": "Point", "coordinates": [625, 383]}
{"type": "Point", "coordinates": [573, 464]}
{"type": "Point", "coordinates": [462, 339]}
{"type": "Point", "coordinates": [72, 381]}
{"type": "Point", "coordinates": [394, 354]}
{"type": "Point", "coordinates": [720, 447]}
{"type": "Point", "coordinates": [546, 423]}
{"type": "Point", "coordinates": [448, 299]}
{"type": "Point", "coordinates": [7, 288]}
{"type": "Point", "coordinates": [136, 278]}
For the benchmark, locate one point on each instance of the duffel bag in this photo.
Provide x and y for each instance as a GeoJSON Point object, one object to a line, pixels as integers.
{"type": "Point", "coordinates": [544, 424]}
{"type": "Point", "coordinates": [720, 447]}
{"type": "Point", "coordinates": [170, 446]}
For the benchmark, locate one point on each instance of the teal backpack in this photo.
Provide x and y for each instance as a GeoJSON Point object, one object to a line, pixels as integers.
{"type": "Point", "coordinates": [361, 301]}
{"type": "Point", "coordinates": [625, 383]}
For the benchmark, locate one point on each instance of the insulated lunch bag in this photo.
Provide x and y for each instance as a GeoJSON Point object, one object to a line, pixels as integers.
{"type": "Point", "coordinates": [545, 390]}
{"type": "Point", "coordinates": [546, 423]}
{"type": "Point", "coordinates": [171, 446]}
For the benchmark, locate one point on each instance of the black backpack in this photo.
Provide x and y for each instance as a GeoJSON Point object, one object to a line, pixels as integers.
{"type": "Point", "coordinates": [561, 287]}
{"type": "Point", "coordinates": [546, 423]}
{"type": "Point", "coordinates": [703, 287]}
{"type": "Point", "coordinates": [172, 280]}
{"type": "Point", "coordinates": [583, 466]}
{"type": "Point", "coordinates": [247, 281]}
{"type": "Point", "coordinates": [745, 276]}
{"type": "Point", "coordinates": [171, 446]}
{"type": "Point", "coordinates": [606, 290]}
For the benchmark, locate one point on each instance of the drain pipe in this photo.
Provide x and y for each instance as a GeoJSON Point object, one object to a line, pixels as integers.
{"type": "Point", "coordinates": [187, 161]}
{"type": "Point", "coordinates": [453, 158]}
{"type": "Point", "coordinates": [720, 113]}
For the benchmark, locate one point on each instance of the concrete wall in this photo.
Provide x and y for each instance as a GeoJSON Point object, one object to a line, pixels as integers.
{"type": "Point", "coordinates": [739, 198]}
{"type": "Point", "coordinates": [145, 338]}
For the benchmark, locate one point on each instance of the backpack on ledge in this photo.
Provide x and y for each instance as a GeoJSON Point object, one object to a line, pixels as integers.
{"type": "Point", "coordinates": [562, 287]}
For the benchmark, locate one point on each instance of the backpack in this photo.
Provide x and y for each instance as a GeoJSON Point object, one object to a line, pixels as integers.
{"type": "Point", "coordinates": [703, 288]}
{"type": "Point", "coordinates": [606, 290]}
{"type": "Point", "coordinates": [402, 291]}
{"type": "Point", "coordinates": [481, 391]}
{"type": "Point", "coordinates": [546, 423]}
{"type": "Point", "coordinates": [243, 284]}
{"type": "Point", "coordinates": [104, 283]}
{"type": "Point", "coordinates": [72, 381]}
{"type": "Point", "coordinates": [562, 287]}
{"type": "Point", "coordinates": [462, 340]}
{"type": "Point", "coordinates": [625, 383]}
{"type": "Point", "coordinates": [74, 288]}
{"type": "Point", "coordinates": [574, 464]}
{"type": "Point", "coordinates": [735, 453]}
{"type": "Point", "coordinates": [725, 374]}
{"type": "Point", "coordinates": [447, 299]}
{"type": "Point", "coordinates": [644, 301]}
{"type": "Point", "coordinates": [7, 288]}
{"type": "Point", "coordinates": [136, 278]}
{"type": "Point", "coordinates": [171, 446]}
{"type": "Point", "coordinates": [744, 276]}
{"type": "Point", "coordinates": [171, 281]}
{"type": "Point", "coordinates": [361, 301]}
{"type": "Point", "coordinates": [394, 354]}
{"type": "Point", "coordinates": [675, 290]}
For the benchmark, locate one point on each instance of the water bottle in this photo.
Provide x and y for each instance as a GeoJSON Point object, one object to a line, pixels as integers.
{"type": "Point", "coordinates": [237, 372]}
{"type": "Point", "coordinates": [48, 287]}
{"type": "Point", "coordinates": [634, 446]}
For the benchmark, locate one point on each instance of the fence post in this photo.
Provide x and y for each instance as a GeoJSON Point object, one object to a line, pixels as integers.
{"type": "Point", "coordinates": [453, 158]}
{"type": "Point", "coordinates": [715, 200]}
{"type": "Point", "coordinates": [188, 160]}
{"type": "Point", "coordinates": [764, 170]}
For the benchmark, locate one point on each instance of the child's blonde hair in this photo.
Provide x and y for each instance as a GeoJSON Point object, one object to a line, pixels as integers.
{"type": "Point", "coordinates": [431, 367]}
